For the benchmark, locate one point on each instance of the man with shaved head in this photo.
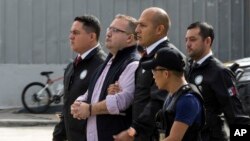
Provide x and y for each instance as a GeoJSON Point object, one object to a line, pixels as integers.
{"type": "Point", "coordinates": [152, 29]}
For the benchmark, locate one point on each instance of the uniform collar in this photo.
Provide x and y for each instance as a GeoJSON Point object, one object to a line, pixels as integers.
{"type": "Point", "coordinates": [83, 56]}
{"type": "Point", "coordinates": [204, 58]}
{"type": "Point", "coordinates": [150, 48]}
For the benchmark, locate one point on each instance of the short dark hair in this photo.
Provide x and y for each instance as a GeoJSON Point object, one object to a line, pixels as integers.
{"type": "Point", "coordinates": [206, 30]}
{"type": "Point", "coordinates": [91, 24]}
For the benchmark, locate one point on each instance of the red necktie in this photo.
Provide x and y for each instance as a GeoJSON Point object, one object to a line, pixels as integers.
{"type": "Point", "coordinates": [144, 53]}
{"type": "Point", "coordinates": [78, 60]}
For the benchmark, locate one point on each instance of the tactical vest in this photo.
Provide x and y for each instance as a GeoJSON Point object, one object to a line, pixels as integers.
{"type": "Point", "coordinates": [166, 116]}
{"type": "Point", "coordinates": [109, 125]}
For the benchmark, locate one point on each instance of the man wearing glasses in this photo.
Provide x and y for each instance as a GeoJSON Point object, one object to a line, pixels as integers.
{"type": "Point", "coordinates": [107, 113]}
{"type": "Point", "coordinates": [183, 112]}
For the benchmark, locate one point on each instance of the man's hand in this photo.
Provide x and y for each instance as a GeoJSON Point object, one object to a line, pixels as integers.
{"type": "Point", "coordinates": [114, 88]}
{"type": "Point", "coordinates": [74, 108]}
{"type": "Point", "coordinates": [83, 112]}
{"type": "Point", "coordinates": [80, 110]}
{"type": "Point", "coordinates": [123, 136]}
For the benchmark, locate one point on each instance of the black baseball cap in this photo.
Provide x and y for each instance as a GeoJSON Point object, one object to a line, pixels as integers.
{"type": "Point", "coordinates": [169, 58]}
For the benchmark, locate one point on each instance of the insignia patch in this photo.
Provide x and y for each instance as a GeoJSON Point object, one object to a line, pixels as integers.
{"type": "Point", "coordinates": [83, 74]}
{"type": "Point", "coordinates": [198, 79]}
{"type": "Point", "coordinates": [143, 70]}
{"type": "Point", "coordinates": [232, 91]}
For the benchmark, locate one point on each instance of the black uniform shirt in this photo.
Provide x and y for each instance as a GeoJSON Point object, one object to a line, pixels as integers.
{"type": "Point", "coordinates": [216, 84]}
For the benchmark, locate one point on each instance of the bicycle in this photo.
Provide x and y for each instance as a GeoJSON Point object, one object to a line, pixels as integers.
{"type": "Point", "coordinates": [37, 97]}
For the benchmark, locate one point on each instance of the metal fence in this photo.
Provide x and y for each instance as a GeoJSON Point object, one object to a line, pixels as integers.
{"type": "Point", "coordinates": [36, 31]}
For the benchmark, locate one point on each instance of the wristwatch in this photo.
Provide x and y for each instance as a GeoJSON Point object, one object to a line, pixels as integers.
{"type": "Point", "coordinates": [131, 132]}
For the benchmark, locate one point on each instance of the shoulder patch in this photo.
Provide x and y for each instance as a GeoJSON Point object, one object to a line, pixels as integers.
{"type": "Point", "coordinates": [232, 91]}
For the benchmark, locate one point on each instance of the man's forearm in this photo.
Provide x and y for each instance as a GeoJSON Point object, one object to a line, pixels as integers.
{"type": "Point", "coordinates": [99, 108]}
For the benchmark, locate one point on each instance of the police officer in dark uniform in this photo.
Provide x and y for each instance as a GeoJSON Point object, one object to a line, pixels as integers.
{"type": "Point", "coordinates": [183, 113]}
{"type": "Point", "coordinates": [84, 36]}
{"type": "Point", "coordinates": [214, 81]}
{"type": "Point", "coordinates": [152, 30]}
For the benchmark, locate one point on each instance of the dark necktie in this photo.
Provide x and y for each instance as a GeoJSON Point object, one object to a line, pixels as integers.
{"type": "Point", "coordinates": [78, 60]}
{"type": "Point", "coordinates": [144, 53]}
{"type": "Point", "coordinates": [195, 65]}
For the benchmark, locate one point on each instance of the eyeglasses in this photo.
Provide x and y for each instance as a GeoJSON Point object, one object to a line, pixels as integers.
{"type": "Point", "coordinates": [116, 30]}
{"type": "Point", "coordinates": [157, 69]}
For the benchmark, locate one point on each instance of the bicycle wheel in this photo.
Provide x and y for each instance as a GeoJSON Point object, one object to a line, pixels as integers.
{"type": "Point", "coordinates": [36, 98]}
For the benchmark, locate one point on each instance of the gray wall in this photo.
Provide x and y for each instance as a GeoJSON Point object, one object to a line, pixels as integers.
{"type": "Point", "coordinates": [35, 32]}
{"type": "Point", "coordinates": [15, 77]}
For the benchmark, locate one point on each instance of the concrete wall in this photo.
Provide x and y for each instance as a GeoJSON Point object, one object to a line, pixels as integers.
{"type": "Point", "coordinates": [34, 33]}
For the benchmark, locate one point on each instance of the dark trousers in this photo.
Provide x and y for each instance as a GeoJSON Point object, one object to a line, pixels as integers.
{"type": "Point", "coordinates": [210, 135]}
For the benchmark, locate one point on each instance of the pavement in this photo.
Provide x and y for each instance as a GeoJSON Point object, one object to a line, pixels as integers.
{"type": "Point", "coordinates": [21, 117]}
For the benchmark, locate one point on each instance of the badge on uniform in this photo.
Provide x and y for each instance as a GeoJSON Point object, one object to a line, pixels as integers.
{"type": "Point", "coordinates": [83, 74]}
{"type": "Point", "coordinates": [232, 91]}
{"type": "Point", "coordinates": [143, 70]}
{"type": "Point", "coordinates": [198, 79]}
